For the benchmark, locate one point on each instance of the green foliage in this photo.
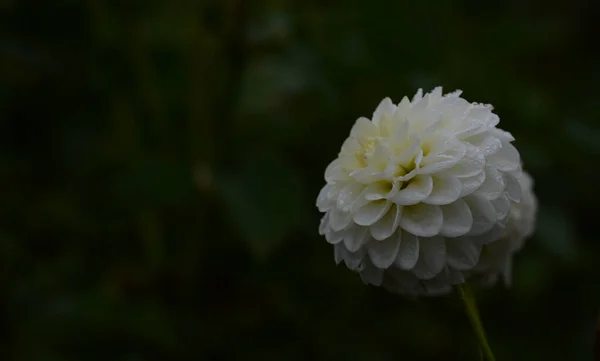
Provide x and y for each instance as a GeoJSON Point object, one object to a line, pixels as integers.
{"type": "Point", "coordinates": [160, 162]}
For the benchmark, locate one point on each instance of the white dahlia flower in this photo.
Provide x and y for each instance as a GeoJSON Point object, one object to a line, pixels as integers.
{"type": "Point", "coordinates": [418, 192]}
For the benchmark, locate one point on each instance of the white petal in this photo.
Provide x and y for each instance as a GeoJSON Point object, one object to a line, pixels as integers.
{"type": "Point", "coordinates": [417, 190]}
{"type": "Point", "coordinates": [367, 175]}
{"type": "Point", "coordinates": [436, 93]}
{"type": "Point", "coordinates": [408, 253]}
{"type": "Point", "coordinates": [418, 158]}
{"type": "Point", "coordinates": [454, 94]}
{"type": "Point", "coordinates": [360, 202]}
{"type": "Point", "coordinates": [335, 172]}
{"type": "Point", "coordinates": [339, 219]}
{"type": "Point", "coordinates": [385, 109]}
{"type": "Point", "coordinates": [432, 257]}
{"type": "Point", "coordinates": [378, 190]}
{"type": "Point", "coordinates": [409, 153]}
{"type": "Point", "coordinates": [446, 189]}
{"type": "Point", "coordinates": [470, 165]}
{"type": "Point", "coordinates": [506, 158]}
{"type": "Point", "coordinates": [383, 253]}
{"type": "Point", "coordinates": [372, 275]}
{"type": "Point", "coordinates": [418, 96]}
{"type": "Point", "coordinates": [363, 128]}
{"type": "Point", "coordinates": [502, 206]}
{"type": "Point", "coordinates": [408, 176]}
{"type": "Point", "coordinates": [355, 237]}
{"type": "Point", "coordinates": [348, 195]}
{"type": "Point", "coordinates": [447, 155]}
{"type": "Point", "coordinates": [388, 224]}
{"type": "Point", "coordinates": [399, 130]}
{"type": "Point", "coordinates": [351, 161]}
{"type": "Point", "coordinates": [402, 110]}
{"type": "Point", "coordinates": [380, 157]}
{"type": "Point", "coordinates": [470, 184]}
{"type": "Point", "coordinates": [351, 146]}
{"type": "Point", "coordinates": [493, 120]}
{"type": "Point", "coordinates": [463, 254]}
{"type": "Point", "coordinates": [324, 198]}
{"type": "Point", "coordinates": [371, 212]}
{"type": "Point", "coordinates": [334, 237]}
{"type": "Point", "coordinates": [458, 219]}
{"type": "Point", "coordinates": [437, 163]}
{"type": "Point", "coordinates": [423, 220]}
{"type": "Point", "coordinates": [484, 214]}
{"type": "Point", "coordinates": [355, 261]}
{"type": "Point", "coordinates": [493, 186]}
{"type": "Point", "coordinates": [324, 225]}
{"type": "Point", "coordinates": [456, 109]}
{"type": "Point", "coordinates": [490, 236]}
{"type": "Point", "coordinates": [487, 143]}
{"type": "Point", "coordinates": [513, 188]}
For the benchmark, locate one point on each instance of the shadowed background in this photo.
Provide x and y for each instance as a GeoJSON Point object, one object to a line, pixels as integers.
{"type": "Point", "coordinates": [160, 162]}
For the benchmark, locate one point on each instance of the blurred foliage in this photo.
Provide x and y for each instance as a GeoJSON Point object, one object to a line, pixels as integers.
{"type": "Point", "coordinates": [160, 161]}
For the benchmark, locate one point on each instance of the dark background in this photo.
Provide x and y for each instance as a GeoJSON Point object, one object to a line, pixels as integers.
{"type": "Point", "coordinates": [160, 161]}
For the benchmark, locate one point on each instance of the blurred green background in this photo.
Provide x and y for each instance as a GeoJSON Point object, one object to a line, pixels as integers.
{"type": "Point", "coordinates": [160, 161]}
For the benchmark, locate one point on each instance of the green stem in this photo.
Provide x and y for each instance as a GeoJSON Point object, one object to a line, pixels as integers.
{"type": "Point", "coordinates": [471, 308]}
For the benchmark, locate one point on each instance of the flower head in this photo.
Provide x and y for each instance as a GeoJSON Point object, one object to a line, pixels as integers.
{"type": "Point", "coordinates": [419, 191]}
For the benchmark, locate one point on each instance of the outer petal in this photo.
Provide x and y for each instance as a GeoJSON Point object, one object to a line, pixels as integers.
{"type": "Point", "coordinates": [385, 109]}
{"type": "Point", "coordinates": [469, 166]}
{"type": "Point", "coordinates": [383, 253]}
{"type": "Point", "coordinates": [408, 253]}
{"type": "Point", "coordinates": [324, 199]}
{"type": "Point", "coordinates": [355, 237]}
{"type": "Point", "coordinates": [490, 236]}
{"type": "Point", "coordinates": [324, 225]}
{"type": "Point", "coordinates": [486, 143]}
{"type": "Point", "coordinates": [423, 220]}
{"type": "Point", "coordinates": [372, 275]}
{"type": "Point", "coordinates": [502, 206]}
{"type": "Point", "coordinates": [432, 257]}
{"type": "Point", "coordinates": [388, 224]}
{"type": "Point", "coordinates": [506, 158]}
{"type": "Point", "coordinates": [335, 172]}
{"type": "Point", "coordinates": [513, 188]}
{"type": "Point", "coordinates": [339, 219]}
{"type": "Point", "coordinates": [363, 128]}
{"type": "Point", "coordinates": [446, 189]}
{"type": "Point", "coordinates": [471, 184]}
{"type": "Point", "coordinates": [463, 254]}
{"type": "Point", "coordinates": [484, 215]}
{"type": "Point", "coordinates": [334, 237]}
{"type": "Point", "coordinates": [354, 260]}
{"type": "Point", "coordinates": [351, 146]}
{"type": "Point", "coordinates": [348, 195]}
{"type": "Point", "coordinates": [493, 186]}
{"type": "Point", "coordinates": [458, 219]}
{"type": "Point", "coordinates": [371, 212]}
